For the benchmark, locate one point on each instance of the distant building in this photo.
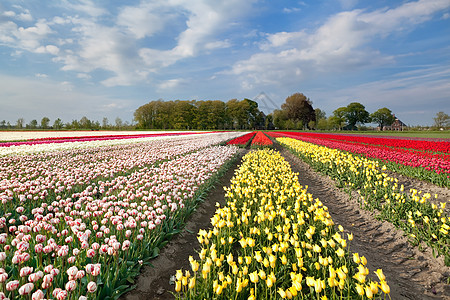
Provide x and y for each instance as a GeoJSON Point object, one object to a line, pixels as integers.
{"type": "Point", "coordinates": [396, 126]}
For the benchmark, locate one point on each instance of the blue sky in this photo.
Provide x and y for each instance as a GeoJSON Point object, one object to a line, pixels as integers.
{"type": "Point", "coordinates": [75, 58]}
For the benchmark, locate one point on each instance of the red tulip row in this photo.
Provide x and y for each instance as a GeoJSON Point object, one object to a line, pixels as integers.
{"type": "Point", "coordinates": [413, 144]}
{"type": "Point", "coordinates": [242, 140]}
{"type": "Point", "coordinates": [261, 139]}
{"type": "Point", "coordinates": [416, 159]}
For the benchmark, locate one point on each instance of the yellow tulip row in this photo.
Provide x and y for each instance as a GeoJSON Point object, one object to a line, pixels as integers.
{"type": "Point", "coordinates": [419, 217]}
{"type": "Point", "coordinates": [272, 240]}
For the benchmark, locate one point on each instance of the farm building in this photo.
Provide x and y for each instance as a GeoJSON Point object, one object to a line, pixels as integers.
{"type": "Point", "coordinates": [396, 126]}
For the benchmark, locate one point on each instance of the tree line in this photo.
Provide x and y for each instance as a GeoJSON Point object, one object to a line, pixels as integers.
{"type": "Point", "coordinates": [296, 113]}
{"type": "Point", "coordinates": [83, 124]}
{"type": "Point", "coordinates": [201, 115]}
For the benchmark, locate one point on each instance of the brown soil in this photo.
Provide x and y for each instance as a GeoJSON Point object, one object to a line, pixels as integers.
{"type": "Point", "coordinates": [411, 274]}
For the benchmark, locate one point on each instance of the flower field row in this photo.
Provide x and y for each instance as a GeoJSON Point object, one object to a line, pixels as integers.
{"type": "Point", "coordinates": [423, 145]}
{"type": "Point", "coordinates": [414, 164]}
{"type": "Point", "coordinates": [47, 175]}
{"type": "Point", "coordinates": [89, 138]}
{"type": "Point", "coordinates": [272, 240]}
{"type": "Point", "coordinates": [242, 141]}
{"type": "Point", "coordinates": [261, 140]}
{"type": "Point", "coordinates": [48, 146]}
{"type": "Point", "coordinates": [421, 219]}
{"type": "Point", "coordinates": [80, 232]}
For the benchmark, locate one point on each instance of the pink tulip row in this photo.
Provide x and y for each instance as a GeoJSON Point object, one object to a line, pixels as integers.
{"type": "Point", "coordinates": [92, 138]}
{"type": "Point", "coordinates": [62, 246]}
{"type": "Point", "coordinates": [34, 178]}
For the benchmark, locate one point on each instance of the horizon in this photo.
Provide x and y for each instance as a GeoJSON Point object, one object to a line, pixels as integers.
{"type": "Point", "coordinates": [101, 59]}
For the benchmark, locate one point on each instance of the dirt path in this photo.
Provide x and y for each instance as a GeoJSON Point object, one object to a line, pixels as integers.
{"type": "Point", "coordinates": [411, 274]}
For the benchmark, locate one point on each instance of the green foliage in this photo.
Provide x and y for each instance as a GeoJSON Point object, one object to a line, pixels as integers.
{"type": "Point", "coordinates": [383, 117]}
{"type": "Point", "coordinates": [295, 113]}
{"type": "Point", "coordinates": [203, 115]}
{"type": "Point", "coordinates": [442, 120]}
{"type": "Point", "coordinates": [353, 114]}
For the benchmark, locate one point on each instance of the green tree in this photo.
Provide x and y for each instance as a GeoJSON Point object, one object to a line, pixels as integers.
{"type": "Point", "coordinates": [105, 123]}
{"type": "Point", "coordinates": [320, 114]}
{"type": "Point", "coordinates": [268, 122]}
{"type": "Point", "coordinates": [356, 113]}
{"type": "Point", "coordinates": [383, 117]}
{"type": "Point", "coordinates": [19, 123]}
{"type": "Point", "coordinates": [279, 118]}
{"type": "Point", "coordinates": [119, 123]}
{"type": "Point", "coordinates": [337, 121]}
{"type": "Point", "coordinates": [85, 123]}
{"type": "Point", "coordinates": [323, 124]}
{"type": "Point", "coordinates": [299, 108]}
{"type": "Point", "coordinates": [58, 124]}
{"type": "Point", "coordinates": [44, 122]}
{"type": "Point", "coordinates": [442, 120]}
{"type": "Point", "coordinates": [33, 124]}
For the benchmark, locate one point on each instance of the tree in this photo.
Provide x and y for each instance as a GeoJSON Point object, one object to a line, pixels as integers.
{"type": "Point", "coordinates": [299, 108]}
{"type": "Point", "coordinates": [337, 120]}
{"type": "Point", "coordinates": [383, 117]}
{"type": "Point", "coordinates": [19, 123]}
{"type": "Point", "coordinates": [119, 123]}
{"type": "Point", "coordinates": [442, 120]}
{"type": "Point", "coordinates": [279, 118]}
{"type": "Point", "coordinates": [320, 114]}
{"type": "Point", "coordinates": [33, 124]}
{"type": "Point", "coordinates": [355, 113]}
{"type": "Point", "coordinates": [3, 124]}
{"type": "Point", "coordinates": [105, 123]}
{"type": "Point", "coordinates": [44, 122]}
{"type": "Point", "coordinates": [58, 124]}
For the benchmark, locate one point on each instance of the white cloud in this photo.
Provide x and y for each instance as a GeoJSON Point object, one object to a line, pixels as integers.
{"type": "Point", "coordinates": [9, 14]}
{"type": "Point", "coordinates": [146, 19]}
{"type": "Point", "coordinates": [55, 100]}
{"type": "Point", "coordinates": [170, 84]}
{"type": "Point", "coordinates": [341, 43]}
{"type": "Point", "coordinates": [51, 49]}
{"type": "Point", "coordinates": [40, 75]}
{"type": "Point", "coordinates": [218, 45]}
{"type": "Point", "coordinates": [85, 6]}
{"type": "Point", "coordinates": [413, 87]}
{"type": "Point", "coordinates": [84, 76]}
{"type": "Point", "coordinates": [24, 38]}
{"type": "Point", "coordinates": [283, 38]}
{"type": "Point", "coordinates": [289, 10]}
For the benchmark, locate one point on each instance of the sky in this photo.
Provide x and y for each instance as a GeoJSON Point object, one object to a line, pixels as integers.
{"type": "Point", "coordinates": [73, 58]}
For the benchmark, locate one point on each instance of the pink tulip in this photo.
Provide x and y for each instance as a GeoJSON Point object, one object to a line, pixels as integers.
{"type": "Point", "coordinates": [26, 288]}
{"type": "Point", "coordinates": [72, 271]}
{"type": "Point", "coordinates": [92, 287]}
{"type": "Point", "coordinates": [71, 285]}
{"type": "Point", "coordinates": [25, 271]}
{"type": "Point", "coordinates": [12, 285]}
{"type": "Point", "coordinates": [38, 295]}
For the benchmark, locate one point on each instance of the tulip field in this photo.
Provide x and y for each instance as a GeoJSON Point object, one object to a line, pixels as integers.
{"type": "Point", "coordinates": [82, 213]}
{"type": "Point", "coordinates": [79, 218]}
{"type": "Point", "coordinates": [273, 240]}
{"type": "Point", "coordinates": [426, 160]}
